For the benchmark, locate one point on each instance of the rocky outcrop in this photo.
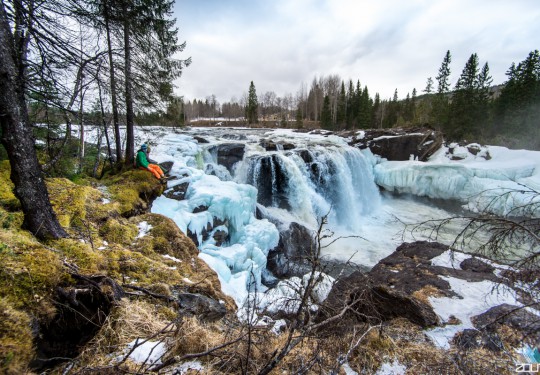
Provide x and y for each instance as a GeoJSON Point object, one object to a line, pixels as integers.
{"type": "Point", "coordinates": [400, 143]}
{"type": "Point", "coordinates": [269, 145]}
{"type": "Point", "coordinates": [515, 317]}
{"type": "Point", "coordinates": [289, 258]}
{"type": "Point", "coordinates": [205, 308]}
{"type": "Point", "coordinates": [228, 154]}
{"type": "Point", "coordinates": [375, 302]}
{"type": "Point", "coordinates": [400, 286]}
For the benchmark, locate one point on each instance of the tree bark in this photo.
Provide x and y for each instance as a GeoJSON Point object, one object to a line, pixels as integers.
{"type": "Point", "coordinates": [114, 102]}
{"type": "Point", "coordinates": [30, 189]}
{"type": "Point", "coordinates": [130, 136]}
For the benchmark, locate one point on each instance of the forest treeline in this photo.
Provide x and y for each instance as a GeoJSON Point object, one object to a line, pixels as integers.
{"type": "Point", "coordinates": [471, 110]}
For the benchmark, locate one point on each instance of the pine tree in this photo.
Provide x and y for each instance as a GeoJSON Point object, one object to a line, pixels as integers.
{"type": "Point", "coordinates": [518, 107]}
{"type": "Point", "coordinates": [429, 86]}
{"type": "Point", "coordinates": [464, 106]}
{"type": "Point", "coordinates": [326, 114]}
{"type": "Point", "coordinates": [444, 74]}
{"type": "Point", "coordinates": [341, 118]}
{"type": "Point", "coordinates": [252, 105]}
{"type": "Point", "coordinates": [441, 100]}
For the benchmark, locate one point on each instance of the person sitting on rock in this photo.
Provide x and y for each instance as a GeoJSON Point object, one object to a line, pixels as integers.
{"type": "Point", "coordinates": [142, 163]}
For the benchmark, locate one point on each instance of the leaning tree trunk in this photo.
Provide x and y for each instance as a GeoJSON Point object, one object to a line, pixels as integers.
{"type": "Point", "coordinates": [30, 189]}
{"type": "Point", "coordinates": [130, 136]}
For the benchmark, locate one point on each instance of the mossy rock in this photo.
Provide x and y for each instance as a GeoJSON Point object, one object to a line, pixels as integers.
{"type": "Point", "coordinates": [68, 200]}
{"type": "Point", "coordinates": [29, 272]}
{"type": "Point", "coordinates": [134, 190]}
{"type": "Point", "coordinates": [118, 231]}
{"type": "Point", "coordinates": [81, 255]}
{"type": "Point", "coordinates": [7, 197]}
{"type": "Point", "coordinates": [16, 349]}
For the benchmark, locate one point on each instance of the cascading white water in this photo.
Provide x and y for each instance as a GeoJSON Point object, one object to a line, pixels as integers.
{"type": "Point", "coordinates": [337, 181]}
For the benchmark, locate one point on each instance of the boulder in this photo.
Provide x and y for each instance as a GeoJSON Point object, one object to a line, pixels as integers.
{"type": "Point", "coordinates": [269, 145]}
{"type": "Point", "coordinates": [400, 285]}
{"type": "Point", "coordinates": [200, 139]}
{"type": "Point", "coordinates": [400, 143]}
{"type": "Point", "coordinates": [228, 154]}
{"type": "Point", "coordinates": [204, 308]}
{"type": "Point", "coordinates": [517, 318]}
{"type": "Point", "coordinates": [289, 258]}
{"type": "Point", "coordinates": [374, 303]}
{"type": "Point", "coordinates": [177, 192]}
{"type": "Point", "coordinates": [166, 166]}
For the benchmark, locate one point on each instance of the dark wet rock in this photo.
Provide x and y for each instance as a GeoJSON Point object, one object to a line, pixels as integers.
{"type": "Point", "coordinates": [473, 148]}
{"type": "Point", "coordinates": [401, 143]}
{"type": "Point", "coordinates": [269, 145]}
{"type": "Point", "coordinates": [289, 257]}
{"type": "Point", "coordinates": [476, 265]}
{"type": "Point", "coordinates": [200, 139]}
{"type": "Point", "coordinates": [397, 286]}
{"type": "Point", "coordinates": [271, 181]}
{"type": "Point", "coordinates": [521, 320]}
{"type": "Point", "coordinates": [409, 268]}
{"type": "Point", "coordinates": [305, 155]}
{"type": "Point", "coordinates": [219, 235]}
{"type": "Point", "coordinates": [228, 154]}
{"type": "Point", "coordinates": [205, 308]}
{"type": "Point", "coordinates": [81, 310]}
{"type": "Point", "coordinates": [201, 208]}
{"type": "Point", "coordinates": [177, 192]}
{"type": "Point", "coordinates": [166, 166]}
{"type": "Point", "coordinates": [376, 303]}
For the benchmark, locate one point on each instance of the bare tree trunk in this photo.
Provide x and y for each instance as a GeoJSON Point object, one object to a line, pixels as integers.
{"type": "Point", "coordinates": [30, 189]}
{"type": "Point", "coordinates": [130, 136]}
{"type": "Point", "coordinates": [104, 122]}
{"type": "Point", "coordinates": [114, 102]}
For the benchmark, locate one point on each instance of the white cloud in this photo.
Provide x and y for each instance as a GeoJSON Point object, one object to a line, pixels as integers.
{"type": "Point", "coordinates": [384, 44]}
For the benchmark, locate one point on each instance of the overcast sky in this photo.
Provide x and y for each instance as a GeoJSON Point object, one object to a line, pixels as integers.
{"type": "Point", "coordinates": [386, 44]}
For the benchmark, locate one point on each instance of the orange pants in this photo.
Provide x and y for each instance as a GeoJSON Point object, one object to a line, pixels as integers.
{"type": "Point", "coordinates": [155, 169]}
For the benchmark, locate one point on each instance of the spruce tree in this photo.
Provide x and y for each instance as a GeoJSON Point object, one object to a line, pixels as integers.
{"type": "Point", "coordinates": [252, 105]}
{"type": "Point", "coordinates": [341, 117]}
{"type": "Point", "coordinates": [464, 106]}
{"type": "Point", "coordinates": [441, 100]}
{"type": "Point", "coordinates": [326, 114]}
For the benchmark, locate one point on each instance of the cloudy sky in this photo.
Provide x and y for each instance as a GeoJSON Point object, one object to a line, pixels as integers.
{"type": "Point", "coordinates": [386, 44]}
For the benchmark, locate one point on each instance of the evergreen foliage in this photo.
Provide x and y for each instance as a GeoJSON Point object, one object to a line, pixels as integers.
{"type": "Point", "coordinates": [326, 114]}
{"type": "Point", "coordinates": [252, 108]}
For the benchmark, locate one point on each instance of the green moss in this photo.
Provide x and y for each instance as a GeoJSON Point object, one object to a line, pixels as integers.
{"type": "Point", "coordinates": [68, 200]}
{"type": "Point", "coordinates": [133, 190]}
{"type": "Point", "coordinates": [28, 272]}
{"type": "Point", "coordinates": [81, 254]}
{"type": "Point", "coordinates": [7, 197]}
{"type": "Point", "coordinates": [15, 339]}
{"type": "Point", "coordinates": [119, 231]}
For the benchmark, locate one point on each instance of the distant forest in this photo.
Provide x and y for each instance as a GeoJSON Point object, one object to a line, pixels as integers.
{"type": "Point", "coordinates": [473, 110]}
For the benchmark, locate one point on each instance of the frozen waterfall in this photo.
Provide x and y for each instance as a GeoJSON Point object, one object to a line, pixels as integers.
{"type": "Point", "coordinates": [312, 183]}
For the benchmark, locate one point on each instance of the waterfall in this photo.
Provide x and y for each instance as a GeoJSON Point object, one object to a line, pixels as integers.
{"type": "Point", "coordinates": [311, 183]}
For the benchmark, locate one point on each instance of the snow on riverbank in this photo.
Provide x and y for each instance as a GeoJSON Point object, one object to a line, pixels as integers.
{"type": "Point", "coordinates": [494, 179]}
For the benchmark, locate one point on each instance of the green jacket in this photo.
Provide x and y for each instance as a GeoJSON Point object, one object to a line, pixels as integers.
{"type": "Point", "coordinates": [141, 160]}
